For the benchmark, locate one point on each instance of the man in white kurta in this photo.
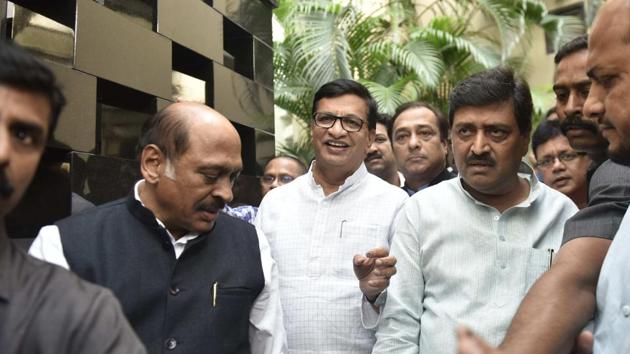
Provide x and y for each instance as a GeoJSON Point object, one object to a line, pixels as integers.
{"type": "Point", "coordinates": [319, 222]}
{"type": "Point", "coordinates": [470, 247]}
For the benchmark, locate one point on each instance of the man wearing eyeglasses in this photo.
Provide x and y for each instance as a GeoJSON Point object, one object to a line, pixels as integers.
{"type": "Point", "coordinates": [279, 171]}
{"type": "Point", "coordinates": [318, 225]}
{"type": "Point", "coordinates": [562, 168]}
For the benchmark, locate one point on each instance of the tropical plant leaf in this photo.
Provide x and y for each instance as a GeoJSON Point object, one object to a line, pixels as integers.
{"type": "Point", "coordinates": [389, 97]}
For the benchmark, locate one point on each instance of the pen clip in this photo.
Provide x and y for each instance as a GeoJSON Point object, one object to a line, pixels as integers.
{"type": "Point", "coordinates": [341, 228]}
{"type": "Point", "coordinates": [214, 293]}
{"type": "Point", "coordinates": [550, 250]}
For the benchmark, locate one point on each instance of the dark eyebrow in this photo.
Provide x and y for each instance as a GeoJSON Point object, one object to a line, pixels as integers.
{"type": "Point", "coordinates": [33, 129]}
{"type": "Point", "coordinates": [577, 84]}
{"type": "Point", "coordinates": [556, 86]}
{"type": "Point", "coordinates": [495, 126]}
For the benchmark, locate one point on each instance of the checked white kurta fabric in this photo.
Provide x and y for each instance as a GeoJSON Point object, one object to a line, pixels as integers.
{"type": "Point", "coordinates": [313, 239]}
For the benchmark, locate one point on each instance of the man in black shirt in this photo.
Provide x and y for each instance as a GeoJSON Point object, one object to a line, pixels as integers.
{"type": "Point", "coordinates": [43, 308]}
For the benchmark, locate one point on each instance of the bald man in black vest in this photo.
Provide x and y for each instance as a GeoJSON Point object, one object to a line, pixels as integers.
{"type": "Point", "coordinates": [190, 278]}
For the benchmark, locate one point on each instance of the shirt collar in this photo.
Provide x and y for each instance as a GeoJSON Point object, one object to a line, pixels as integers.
{"type": "Point", "coordinates": [352, 180]}
{"type": "Point", "coordinates": [187, 237]}
{"type": "Point", "coordinates": [524, 171]}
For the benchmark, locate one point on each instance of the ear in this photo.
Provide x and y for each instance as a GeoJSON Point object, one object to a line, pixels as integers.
{"type": "Point", "coordinates": [152, 163]}
{"type": "Point", "coordinates": [525, 144]}
{"type": "Point", "coordinates": [444, 143]}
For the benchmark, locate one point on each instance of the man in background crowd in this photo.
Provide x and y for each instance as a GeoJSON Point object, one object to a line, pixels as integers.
{"type": "Point", "coordinates": [561, 167]}
{"type": "Point", "coordinates": [380, 160]}
{"type": "Point", "coordinates": [279, 171]}
{"type": "Point", "coordinates": [419, 135]}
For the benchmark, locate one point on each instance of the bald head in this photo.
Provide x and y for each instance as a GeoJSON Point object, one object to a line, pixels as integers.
{"type": "Point", "coordinates": [190, 159]}
{"type": "Point", "coordinates": [170, 128]}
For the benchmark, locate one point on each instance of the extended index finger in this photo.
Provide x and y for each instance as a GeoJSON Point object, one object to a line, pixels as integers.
{"type": "Point", "coordinates": [378, 252]}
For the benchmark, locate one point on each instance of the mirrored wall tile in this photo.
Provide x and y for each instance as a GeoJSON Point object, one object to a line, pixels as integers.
{"type": "Point", "coordinates": [248, 148]}
{"type": "Point", "coordinates": [119, 130]}
{"type": "Point", "coordinates": [193, 24]}
{"type": "Point", "coordinates": [42, 36]}
{"type": "Point", "coordinates": [265, 149]}
{"type": "Point", "coordinates": [253, 15]}
{"type": "Point", "coordinates": [101, 179]}
{"type": "Point", "coordinates": [139, 12]}
{"type": "Point", "coordinates": [188, 88]}
{"type": "Point", "coordinates": [242, 100]}
{"type": "Point", "coordinates": [263, 64]}
{"type": "Point", "coordinates": [61, 11]}
{"type": "Point", "coordinates": [194, 65]}
{"type": "Point", "coordinates": [239, 49]}
{"type": "Point", "coordinates": [76, 128]}
{"type": "Point", "coordinates": [111, 47]}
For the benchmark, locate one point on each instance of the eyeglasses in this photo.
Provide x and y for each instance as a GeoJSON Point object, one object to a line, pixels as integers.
{"type": "Point", "coordinates": [282, 179]}
{"type": "Point", "coordinates": [563, 157]}
{"type": "Point", "coordinates": [348, 123]}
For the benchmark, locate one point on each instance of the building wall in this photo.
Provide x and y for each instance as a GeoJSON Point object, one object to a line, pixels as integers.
{"type": "Point", "coordinates": [119, 62]}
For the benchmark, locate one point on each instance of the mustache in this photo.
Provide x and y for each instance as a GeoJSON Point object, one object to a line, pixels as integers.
{"type": "Point", "coordinates": [577, 121]}
{"type": "Point", "coordinates": [212, 207]}
{"type": "Point", "coordinates": [373, 155]}
{"type": "Point", "coordinates": [485, 159]}
{"type": "Point", "coordinates": [6, 189]}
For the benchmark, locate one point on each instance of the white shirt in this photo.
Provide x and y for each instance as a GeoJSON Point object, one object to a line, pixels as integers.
{"type": "Point", "coordinates": [461, 261]}
{"type": "Point", "coordinates": [266, 332]}
{"type": "Point", "coordinates": [313, 239]}
{"type": "Point", "coordinates": [612, 320]}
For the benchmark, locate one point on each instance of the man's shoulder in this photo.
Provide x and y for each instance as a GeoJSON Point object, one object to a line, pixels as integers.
{"type": "Point", "coordinates": [231, 222]}
{"type": "Point", "coordinates": [56, 312]}
{"type": "Point", "coordinates": [438, 191]}
{"type": "Point", "coordinates": [289, 191]}
{"type": "Point", "coordinates": [54, 285]}
{"type": "Point", "coordinates": [97, 210]}
{"type": "Point", "coordinates": [610, 172]}
{"type": "Point", "coordinates": [383, 189]}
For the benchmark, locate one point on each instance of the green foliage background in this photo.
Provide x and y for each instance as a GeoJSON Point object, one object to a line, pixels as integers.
{"type": "Point", "coordinates": [406, 52]}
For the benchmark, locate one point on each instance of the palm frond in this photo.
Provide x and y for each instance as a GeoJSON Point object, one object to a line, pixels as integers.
{"type": "Point", "coordinates": [389, 97]}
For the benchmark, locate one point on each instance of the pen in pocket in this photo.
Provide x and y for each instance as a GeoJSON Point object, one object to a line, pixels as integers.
{"type": "Point", "coordinates": [341, 228]}
{"type": "Point", "coordinates": [214, 293]}
{"type": "Point", "coordinates": [550, 250]}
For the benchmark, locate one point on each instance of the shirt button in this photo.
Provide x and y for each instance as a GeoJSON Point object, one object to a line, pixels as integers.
{"type": "Point", "coordinates": [503, 266]}
{"type": "Point", "coordinates": [170, 343]}
{"type": "Point", "coordinates": [174, 290]}
{"type": "Point", "coordinates": [497, 217]}
{"type": "Point", "coordinates": [502, 238]}
{"type": "Point", "coordinates": [626, 310]}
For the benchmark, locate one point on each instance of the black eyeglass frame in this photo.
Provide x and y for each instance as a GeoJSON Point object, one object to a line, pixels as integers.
{"type": "Point", "coordinates": [347, 119]}
{"type": "Point", "coordinates": [562, 157]}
